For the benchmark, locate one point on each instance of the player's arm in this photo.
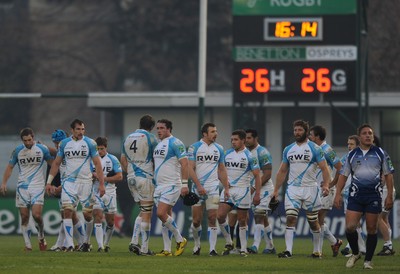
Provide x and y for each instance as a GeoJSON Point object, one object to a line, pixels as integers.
{"type": "Point", "coordinates": [338, 167]}
{"type": "Point", "coordinates": [124, 163]}
{"type": "Point", "coordinates": [184, 175]}
{"type": "Point", "coordinates": [257, 185]}
{"type": "Point", "coordinates": [100, 174]}
{"type": "Point", "coordinates": [193, 176]}
{"type": "Point", "coordinates": [339, 187]}
{"type": "Point", "coordinates": [53, 172]}
{"type": "Point", "coordinates": [390, 187]}
{"type": "Point", "coordinates": [223, 178]}
{"type": "Point", "coordinates": [325, 176]}
{"type": "Point", "coordinates": [267, 172]}
{"type": "Point", "coordinates": [280, 178]}
{"type": "Point", "coordinates": [6, 176]}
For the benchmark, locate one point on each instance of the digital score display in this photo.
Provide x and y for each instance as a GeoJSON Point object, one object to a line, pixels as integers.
{"type": "Point", "coordinates": [296, 57]}
{"type": "Point", "coordinates": [292, 28]}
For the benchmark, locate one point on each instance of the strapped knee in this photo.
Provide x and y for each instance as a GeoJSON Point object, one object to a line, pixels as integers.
{"type": "Point", "coordinates": [292, 212]}
{"type": "Point", "coordinates": [312, 216]}
{"type": "Point", "coordinates": [260, 212]}
{"type": "Point", "coordinates": [212, 202]}
{"type": "Point", "coordinates": [146, 208]}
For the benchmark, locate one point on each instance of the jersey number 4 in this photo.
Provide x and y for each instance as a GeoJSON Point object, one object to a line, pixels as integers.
{"type": "Point", "coordinates": [133, 146]}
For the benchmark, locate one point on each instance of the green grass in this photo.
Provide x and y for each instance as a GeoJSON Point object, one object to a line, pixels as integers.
{"type": "Point", "coordinates": [14, 260]}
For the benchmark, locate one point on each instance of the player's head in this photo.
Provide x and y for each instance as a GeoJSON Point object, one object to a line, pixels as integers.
{"type": "Point", "coordinates": [251, 138]}
{"type": "Point", "coordinates": [78, 129]}
{"type": "Point", "coordinates": [317, 132]}
{"type": "Point", "coordinates": [147, 122]}
{"type": "Point", "coordinates": [352, 142]}
{"type": "Point", "coordinates": [366, 134]}
{"type": "Point", "coordinates": [164, 128]}
{"type": "Point", "coordinates": [27, 137]}
{"type": "Point", "coordinates": [57, 136]}
{"type": "Point", "coordinates": [238, 138]}
{"type": "Point", "coordinates": [209, 132]}
{"type": "Point", "coordinates": [300, 130]}
{"type": "Point", "coordinates": [102, 143]}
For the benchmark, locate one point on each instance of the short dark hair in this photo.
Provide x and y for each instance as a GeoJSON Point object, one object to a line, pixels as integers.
{"type": "Point", "coordinates": [204, 128]}
{"type": "Point", "coordinates": [319, 131]}
{"type": "Point", "coordinates": [355, 138]}
{"type": "Point", "coordinates": [167, 123]}
{"type": "Point", "coordinates": [241, 133]}
{"type": "Point", "coordinates": [303, 124]}
{"type": "Point", "coordinates": [26, 132]}
{"type": "Point", "coordinates": [76, 122]}
{"type": "Point", "coordinates": [360, 128]}
{"type": "Point", "coordinates": [147, 122]}
{"type": "Point", "coordinates": [253, 132]}
{"type": "Point", "coordinates": [101, 141]}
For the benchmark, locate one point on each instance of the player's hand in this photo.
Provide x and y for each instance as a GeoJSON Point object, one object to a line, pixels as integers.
{"type": "Point", "coordinates": [325, 191]}
{"type": "Point", "coordinates": [201, 190]}
{"type": "Point", "coordinates": [388, 203]}
{"type": "Point", "coordinates": [3, 189]}
{"type": "Point", "coordinates": [184, 190]}
{"type": "Point", "coordinates": [102, 190]}
{"type": "Point", "coordinates": [338, 201]}
{"type": "Point", "coordinates": [226, 194]}
{"type": "Point", "coordinates": [49, 190]}
{"type": "Point", "coordinates": [256, 199]}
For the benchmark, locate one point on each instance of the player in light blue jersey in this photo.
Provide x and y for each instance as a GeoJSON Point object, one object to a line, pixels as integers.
{"type": "Point", "coordinates": [366, 164]}
{"type": "Point", "coordinates": [262, 227]}
{"type": "Point", "coordinates": [352, 143]}
{"type": "Point", "coordinates": [302, 159]}
{"type": "Point", "coordinates": [137, 161]}
{"type": "Point", "coordinates": [207, 170]}
{"type": "Point", "coordinates": [171, 176]}
{"type": "Point", "coordinates": [241, 168]}
{"type": "Point", "coordinates": [318, 135]}
{"type": "Point", "coordinates": [106, 205]}
{"type": "Point", "coordinates": [31, 158]}
{"type": "Point", "coordinates": [77, 151]}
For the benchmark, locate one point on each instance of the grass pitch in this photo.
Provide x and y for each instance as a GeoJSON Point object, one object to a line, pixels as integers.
{"type": "Point", "coordinates": [14, 260]}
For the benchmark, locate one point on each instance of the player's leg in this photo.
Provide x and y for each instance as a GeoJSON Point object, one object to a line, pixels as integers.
{"type": "Point", "coordinates": [212, 204]}
{"type": "Point", "coordinates": [312, 218]}
{"type": "Point", "coordinates": [243, 229]}
{"type": "Point", "coordinates": [270, 247]}
{"type": "Point", "coordinates": [223, 209]}
{"type": "Point", "coordinates": [25, 230]}
{"type": "Point", "coordinates": [37, 210]}
{"type": "Point", "coordinates": [146, 208]}
{"type": "Point", "coordinates": [98, 227]}
{"type": "Point", "coordinates": [196, 227]}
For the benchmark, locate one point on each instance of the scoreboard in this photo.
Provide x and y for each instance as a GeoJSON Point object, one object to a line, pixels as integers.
{"type": "Point", "coordinates": [295, 50]}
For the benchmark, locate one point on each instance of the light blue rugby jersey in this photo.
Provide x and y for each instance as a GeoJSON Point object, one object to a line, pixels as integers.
{"type": "Point", "coordinates": [366, 170]}
{"type": "Point", "coordinates": [77, 155]}
{"type": "Point", "coordinates": [264, 158]}
{"type": "Point", "coordinates": [109, 163]}
{"type": "Point", "coordinates": [303, 163]}
{"type": "Point", "coordinates": [331, 159]}
{"type": "Point", "coordinates": [206, 158]}
{"type": "Point", "coordinates": [239, 166]}
{"type": "Point", "coordinates": [138, 148]}
{"type": "Point", "coordinates": [32, 165]}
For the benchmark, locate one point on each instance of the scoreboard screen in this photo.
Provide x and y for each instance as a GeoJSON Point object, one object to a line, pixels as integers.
{"type": "Point", "coordinates": [295, 50]}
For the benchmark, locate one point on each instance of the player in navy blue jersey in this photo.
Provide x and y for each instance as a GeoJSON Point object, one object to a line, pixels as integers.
{"type": "Point", "coordinates": [366, 164]}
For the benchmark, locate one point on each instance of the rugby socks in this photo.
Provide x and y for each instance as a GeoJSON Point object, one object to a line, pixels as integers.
{"type": "Point", "coordinates": [108, 234]}
{"type": "Point", "coordinates": [98, 232]}
{"type": "Point", "coordinates": [26, 234]}
{"type": "Point", "coordinates": [258, 235]}
{"type": "Point", "coordinates": [40, 230]}
{"type": "Point", "coordinates": [145, 233]}
{"type": "Point", "coordinates": [289, 236]}
{"type": "Point", "coordinates": [238, 243]}
{"type": "Point", "coordinates": [226, 232]}
{"type": "Point", "coordinates": [232, 232]}
{"type": "Point", "coordinates": [268, 237]}
{"type": "Point", "coordinates": [136, 230]}
{"type": "Point", "coordinates": [79, 232]}
{"type": "Point", "coordinates": [89, 231]}
{"type": "Point", "coordinates": [317, 239]}
{"type": "Point", "coordinates": [171, 225]}
{"type": "Point", "coordinates": [196, 231]}
{"type": "Point", "coordinates": [69, 232]}
{"type": "Point", "coordinates": [167, 236]}
{"type": "Point", "coordinates": [243, 238]}
{"type": "Point", "coordinates": [352, 238]}
{"type": "Point", "coordinates": [372, 241]}
{"type": "Point", "coordinates": [61, 236]}
{"type": "Point", "coordinates": [328, 234]}
{"type": "Point", "coordinates": [212, 237]}
{"type": "Point", "coordinates": [361, 243]}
